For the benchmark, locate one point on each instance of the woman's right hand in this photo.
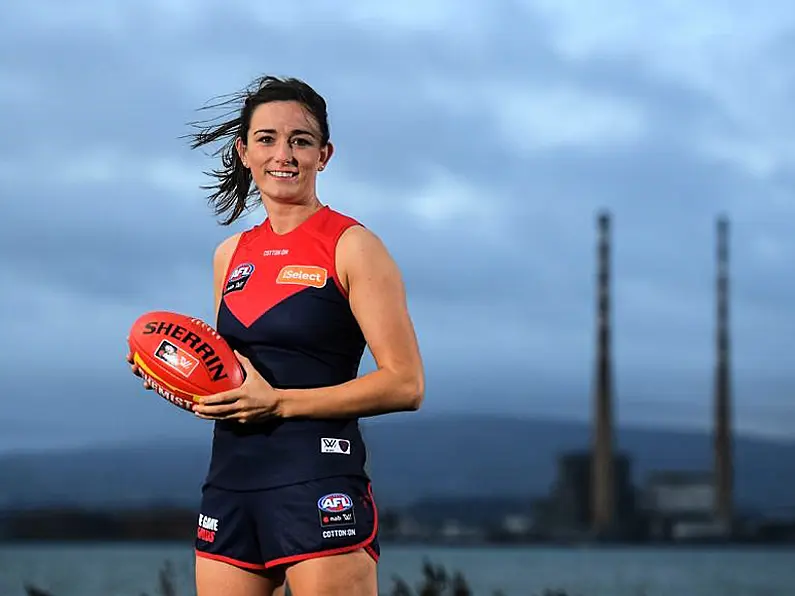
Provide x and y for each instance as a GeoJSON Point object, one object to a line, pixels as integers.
{"type": "Point", "coordinates": [136, 370]}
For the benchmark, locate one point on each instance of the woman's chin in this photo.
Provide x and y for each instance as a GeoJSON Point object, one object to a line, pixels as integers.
{"type": "Point", "coordinates": [287, 196]}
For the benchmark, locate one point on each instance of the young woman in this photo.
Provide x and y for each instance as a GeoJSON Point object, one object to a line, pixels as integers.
{"type": "Point", "coordinates": [298, 296]}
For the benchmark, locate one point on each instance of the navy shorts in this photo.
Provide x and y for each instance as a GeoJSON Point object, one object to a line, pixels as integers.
{"type": "Point", "coordinates": [279, 526]}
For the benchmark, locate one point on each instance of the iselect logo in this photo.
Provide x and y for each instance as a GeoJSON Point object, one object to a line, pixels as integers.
{"type": "Point", "coordinates": [341, 446]}
{"type": "Point", "coordinates": [303, 275]}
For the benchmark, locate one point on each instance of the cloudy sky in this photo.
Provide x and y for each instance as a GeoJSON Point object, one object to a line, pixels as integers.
{"type": "Point", "coordinates": [478, 140]}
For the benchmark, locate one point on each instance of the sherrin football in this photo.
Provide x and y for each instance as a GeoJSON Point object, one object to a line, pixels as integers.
{"type": "Point", "coordinates": [183, 357]}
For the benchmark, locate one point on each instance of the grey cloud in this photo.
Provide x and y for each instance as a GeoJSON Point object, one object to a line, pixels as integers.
{"type": "Point", "coordinates": [105, 241]}
{"type": "Point", "coordinates": [115, 245]}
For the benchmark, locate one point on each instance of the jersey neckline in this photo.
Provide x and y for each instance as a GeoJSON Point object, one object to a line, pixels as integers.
{"type": "Point", "coordinates": [269, 228]}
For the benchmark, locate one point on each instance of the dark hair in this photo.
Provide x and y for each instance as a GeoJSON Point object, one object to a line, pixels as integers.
{"type": "Point", "coordinates": [232, 191]}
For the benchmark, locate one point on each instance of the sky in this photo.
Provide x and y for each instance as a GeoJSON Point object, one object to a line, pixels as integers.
{"type": "Point", "coordinates": [478, 140]}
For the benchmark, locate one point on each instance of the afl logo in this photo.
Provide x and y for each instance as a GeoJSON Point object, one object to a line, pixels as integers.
{"type": "Point", "coordinates": [242, 271]}
{"type": "Point", "coordinates": [335, 503]}
{"type": "Point", "coordinates": [239, 277]}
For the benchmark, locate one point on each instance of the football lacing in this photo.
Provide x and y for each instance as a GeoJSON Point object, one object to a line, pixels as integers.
{"type": "Point", "coordinates": [206, 327]}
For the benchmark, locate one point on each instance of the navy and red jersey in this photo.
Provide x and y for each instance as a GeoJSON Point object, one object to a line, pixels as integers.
{"type": "Point", "coordinates": [284, 309]}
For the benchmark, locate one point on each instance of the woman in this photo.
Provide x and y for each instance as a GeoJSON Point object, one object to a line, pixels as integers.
{"type": "Point", "coordinates": [298, 297]}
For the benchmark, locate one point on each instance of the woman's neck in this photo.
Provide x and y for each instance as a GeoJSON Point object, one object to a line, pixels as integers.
{"type": "Point", "coordinates": [285, 217]}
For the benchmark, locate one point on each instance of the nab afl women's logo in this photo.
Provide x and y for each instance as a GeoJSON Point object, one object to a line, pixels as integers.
{"type": "Point", "coordinates": [239, 277]}
{"type": "Point", "coordinates": [335, 503]}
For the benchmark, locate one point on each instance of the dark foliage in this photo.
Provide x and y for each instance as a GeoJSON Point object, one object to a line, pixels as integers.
{"type": "Point", "coordinates": [436, 581]}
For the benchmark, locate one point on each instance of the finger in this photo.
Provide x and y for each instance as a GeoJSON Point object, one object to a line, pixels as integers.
{"type": "Point", "coordinates": [224, 397]}
{"type": "Point", "coordinates": [133, 366]}
{"type": "Point", "coordinates": [213, 418]}
{"type": "Point", "coordinates": [129, 350]}
{"type": "Point", "coordinates": [219, 411]}
{"type": "Point", "coordinates": [219, 406]}
{"type": "Point", "coordinates": [245, 363]}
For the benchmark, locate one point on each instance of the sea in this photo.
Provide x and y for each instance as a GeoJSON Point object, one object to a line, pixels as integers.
{"type": "Point", "coordinates": [132, 569]}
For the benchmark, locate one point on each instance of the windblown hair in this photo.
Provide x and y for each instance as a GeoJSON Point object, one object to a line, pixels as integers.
{"type": "Point", "coordinates": [233, 193]}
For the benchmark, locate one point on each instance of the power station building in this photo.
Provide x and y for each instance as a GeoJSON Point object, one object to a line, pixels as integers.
{"type": "Point", "coordinates": [594, 495]}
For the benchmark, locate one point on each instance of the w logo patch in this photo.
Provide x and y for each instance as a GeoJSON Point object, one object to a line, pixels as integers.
{"type": "Point", "coordinates": [341, 446]}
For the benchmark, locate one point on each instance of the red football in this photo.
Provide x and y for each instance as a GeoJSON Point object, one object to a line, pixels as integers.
{"type": "Point", "coordinates": [183, 357]}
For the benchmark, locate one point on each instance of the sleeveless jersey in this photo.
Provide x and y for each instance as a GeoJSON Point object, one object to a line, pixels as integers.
{"type": "Point", "coordinates": [284, 309]}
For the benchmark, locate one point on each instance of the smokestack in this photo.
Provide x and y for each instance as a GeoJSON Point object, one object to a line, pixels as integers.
{"type": "Point", "coordinates": [602, 485]}
{"type": "Point", "coordinates": [722, 399]}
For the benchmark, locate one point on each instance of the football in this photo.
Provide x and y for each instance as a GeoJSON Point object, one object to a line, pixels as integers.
{"type": "Point", "coordinates": [183, 357]}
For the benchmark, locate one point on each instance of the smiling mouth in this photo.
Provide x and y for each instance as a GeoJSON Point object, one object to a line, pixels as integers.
{"type": "Point", "coordinates": [282, 175]}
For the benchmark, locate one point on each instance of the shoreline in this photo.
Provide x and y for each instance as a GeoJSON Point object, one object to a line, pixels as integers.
{"type": "Point", "coordinates": [437, 545]}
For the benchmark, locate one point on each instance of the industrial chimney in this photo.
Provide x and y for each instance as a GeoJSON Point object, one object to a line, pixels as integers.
{"type": "Point", "coordinates": [602, 484]}
{"type": "Point", "coordinates": [722, 387]}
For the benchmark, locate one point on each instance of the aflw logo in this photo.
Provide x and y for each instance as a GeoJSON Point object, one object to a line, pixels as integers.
{"type": "Point", "coordinates": [335, 446]}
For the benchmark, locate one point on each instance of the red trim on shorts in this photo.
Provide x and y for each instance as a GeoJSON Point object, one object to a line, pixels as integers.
{"type": "Point", "coordinates": [371, 551]}
{"type": "Point", "coordinates": [230, 561]}
{"type": "Point", "coordinates": [365, 544]}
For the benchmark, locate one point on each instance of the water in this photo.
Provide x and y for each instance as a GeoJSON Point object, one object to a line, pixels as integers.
{"type": "Point", "coordinates": [132, 569]}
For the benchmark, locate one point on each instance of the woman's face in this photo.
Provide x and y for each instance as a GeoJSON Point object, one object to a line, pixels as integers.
{"type": "Point", "coordinates": [283, 150]}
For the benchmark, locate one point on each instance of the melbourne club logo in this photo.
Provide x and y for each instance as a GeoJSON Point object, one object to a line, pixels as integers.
{"type": "Point", "coordinates": [239, 277]}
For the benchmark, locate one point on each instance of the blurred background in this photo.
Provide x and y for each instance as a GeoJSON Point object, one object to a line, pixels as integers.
{"type": "Point", "coordinates": [591, 203]}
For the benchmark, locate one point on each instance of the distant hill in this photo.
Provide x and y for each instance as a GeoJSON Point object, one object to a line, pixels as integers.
{"type": "Point", "coordinates": [411, 458]}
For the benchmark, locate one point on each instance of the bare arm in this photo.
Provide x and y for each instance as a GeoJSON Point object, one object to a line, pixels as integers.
{"type": "Point", "coordinates": [378, 301]}
{"type": "Point", "coordinates": [221, 257]}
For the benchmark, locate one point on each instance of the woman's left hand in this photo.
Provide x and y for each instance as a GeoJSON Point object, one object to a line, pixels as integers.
{"type": "Point", "coordinates": [253, 400]}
